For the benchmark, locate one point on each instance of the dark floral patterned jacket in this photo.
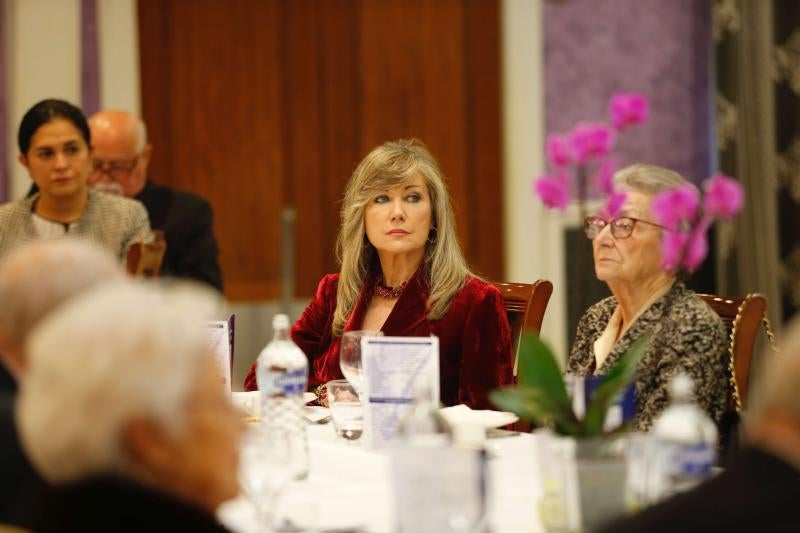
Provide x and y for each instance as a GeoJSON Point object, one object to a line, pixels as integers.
{"type": "Point", "coordinates": [686, 335]}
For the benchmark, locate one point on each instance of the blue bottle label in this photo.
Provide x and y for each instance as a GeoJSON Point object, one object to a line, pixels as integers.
{"type": "Point", "coordinates": [282, 382]}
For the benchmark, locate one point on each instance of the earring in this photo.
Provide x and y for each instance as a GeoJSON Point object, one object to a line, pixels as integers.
{"type": "Point", "coordinates": [432, 235]}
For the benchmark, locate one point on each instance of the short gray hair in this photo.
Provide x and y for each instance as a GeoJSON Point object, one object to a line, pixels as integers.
{"type": "Point", "coordinates": [649, 179]}
{"type": "Point", "coordinates": [37, 277]}
{"type": "Point", "coordinates": [121, 351]}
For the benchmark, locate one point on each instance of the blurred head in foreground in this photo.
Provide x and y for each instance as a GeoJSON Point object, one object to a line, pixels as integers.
{"type": "Point", "coordinates": [773, 420]}
{"type": "Point", "coordinates": [36, 278]}
{"type": "Point", "coordinates": [134, 393]}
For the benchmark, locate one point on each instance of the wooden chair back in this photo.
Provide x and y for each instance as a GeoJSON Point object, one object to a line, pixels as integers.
{"type": "Point", "coordinates": [525, 305]}
{"type": "Point", "coordinates": [145, 258]}
{"type": "Point", "coordinates": [742, 318]}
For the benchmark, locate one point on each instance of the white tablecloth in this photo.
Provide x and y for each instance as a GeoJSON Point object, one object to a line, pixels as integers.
{"type": "Point", "coordinates": [349, 485]}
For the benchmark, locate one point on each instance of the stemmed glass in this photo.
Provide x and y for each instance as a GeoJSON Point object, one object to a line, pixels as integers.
{"type": "Point", "coordinates": [265, 471]}
{"type": "Point", "coordinates": [350, 357]}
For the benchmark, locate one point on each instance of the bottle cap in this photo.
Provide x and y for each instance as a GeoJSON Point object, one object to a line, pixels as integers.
{"type": "Point", "coordinates": [280, 322]}
{"type": "Point", "coordinates": [681, 386]}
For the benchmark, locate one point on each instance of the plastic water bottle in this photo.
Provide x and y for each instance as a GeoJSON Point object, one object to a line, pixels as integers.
{"type": "Point", "coordinates": [685, 440]}
{"type": "Point", "coordinates": [282, 375]}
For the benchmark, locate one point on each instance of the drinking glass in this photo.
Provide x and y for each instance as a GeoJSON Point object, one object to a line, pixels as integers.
{"type": "Point", "coordinates": [265, 470]}
{"type": "Point", "coordinates": [345, 406]}
{"type": "Point", "coordinates": [350, 357]}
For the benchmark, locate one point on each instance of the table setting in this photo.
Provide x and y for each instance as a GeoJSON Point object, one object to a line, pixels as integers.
{"type": "Point", "coordinates": [351, 485]}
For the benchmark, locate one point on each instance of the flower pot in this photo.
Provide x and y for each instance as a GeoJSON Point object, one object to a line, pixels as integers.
{"type": "Point", "coordinates": [583, 483]}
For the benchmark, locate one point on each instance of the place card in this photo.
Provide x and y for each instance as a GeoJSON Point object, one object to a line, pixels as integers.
{"type": "Point", "coordinates": [621, 411]}
{"type": "Point", "coordinates": [395, 370]}
{"type": "Point", "coordinates": [439, 489]}
{"type": "Point", "coordinates": [220, 338]}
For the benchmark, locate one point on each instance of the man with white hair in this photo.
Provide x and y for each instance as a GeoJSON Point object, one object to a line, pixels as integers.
{"type": "Point", "coordinates": [759, 489]}
{"type": "Point", "coordinates": [121, 155]}
{"type": "Point", "coordinates": [35, 279]}
{"type": "Point", "coordinates": [128, 422]}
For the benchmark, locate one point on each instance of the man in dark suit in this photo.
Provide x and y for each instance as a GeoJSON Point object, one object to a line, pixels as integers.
{"type": "Point", "coordinates": [121, 155]}
{"type": "Point", "coordinates": [34, 279]}
{"type": "Point", "coordinates": [759, 489]}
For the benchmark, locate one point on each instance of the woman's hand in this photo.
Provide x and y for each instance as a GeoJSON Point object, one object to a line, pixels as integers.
{"type": "Point", "coordinates": [322, 394]}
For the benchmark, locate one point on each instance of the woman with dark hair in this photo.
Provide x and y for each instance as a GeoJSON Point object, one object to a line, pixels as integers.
{"type": "Point", "coordinates": [402, 272]}
{"type": "Point", "coordinates": [55, 147]}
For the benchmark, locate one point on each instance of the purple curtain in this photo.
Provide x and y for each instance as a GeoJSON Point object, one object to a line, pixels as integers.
{"type": "Point", "coordinates": [90, 59]}
{"type": "Point", "coordinates": [661, 49]}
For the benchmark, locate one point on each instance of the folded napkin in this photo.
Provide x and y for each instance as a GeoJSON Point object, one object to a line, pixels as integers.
{"type": "Point", "coordinates": [463, 415]}
{"type": "Point", "coordinates": [249, 403]}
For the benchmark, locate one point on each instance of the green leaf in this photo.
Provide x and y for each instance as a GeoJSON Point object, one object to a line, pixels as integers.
{"type": "Point", "coordinates": [538, 368]}
{"type": "Point", "coordinates": [539, 406]}
{"type": "Point", "coordinates": [612, 385]}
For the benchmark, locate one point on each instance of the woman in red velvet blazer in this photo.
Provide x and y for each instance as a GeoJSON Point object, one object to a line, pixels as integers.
{"type": "Point", "coordinates": [402, 272]}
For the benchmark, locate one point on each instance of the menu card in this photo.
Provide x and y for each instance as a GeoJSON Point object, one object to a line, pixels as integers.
{"type": "Point", "coordinates": [439, 489]}
{"type": "Point", "coordinates": [220, 337]}
{"type": "Point", "coordinates": [395, 369]}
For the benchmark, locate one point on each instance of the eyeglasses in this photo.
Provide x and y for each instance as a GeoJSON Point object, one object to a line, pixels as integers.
{"type": "Point", "coordinates": [115, 169]}
{"type": "Point", "coordinates": [621, 228]}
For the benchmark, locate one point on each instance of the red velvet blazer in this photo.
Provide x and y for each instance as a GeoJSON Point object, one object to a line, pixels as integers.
{"type": "Point", "coordinates": [474, 336]}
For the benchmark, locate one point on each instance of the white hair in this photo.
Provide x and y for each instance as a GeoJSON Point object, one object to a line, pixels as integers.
{"type": "Point", "coordinates": [120, 352]}
{"type": "Point", "coordinates": [649, 179]}
{"type": "Point", "coordinates": [37, 277]}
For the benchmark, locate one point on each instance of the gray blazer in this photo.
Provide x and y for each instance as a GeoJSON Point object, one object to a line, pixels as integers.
{"type": "Point", "coordinates": [112, 222]}
{"type": "Point", "coordinates": [686, 335]}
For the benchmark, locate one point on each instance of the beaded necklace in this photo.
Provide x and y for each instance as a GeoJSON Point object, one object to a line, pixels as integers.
{"type": "Point", "coordinates": [389, 292]}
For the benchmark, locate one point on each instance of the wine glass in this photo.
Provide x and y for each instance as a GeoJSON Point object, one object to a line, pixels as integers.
{"type": "Point", "coordinates": [265, 471]}
{"type": "Point", "coordinates": [350, 357]}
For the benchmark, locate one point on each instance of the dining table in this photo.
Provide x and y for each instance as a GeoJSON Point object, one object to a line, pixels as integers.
{"type": "Point", "coordinates": [349, 487]}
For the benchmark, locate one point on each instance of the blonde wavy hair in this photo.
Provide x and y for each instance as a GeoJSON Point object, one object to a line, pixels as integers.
{"type": "Point", "coordinates": [389, 165]}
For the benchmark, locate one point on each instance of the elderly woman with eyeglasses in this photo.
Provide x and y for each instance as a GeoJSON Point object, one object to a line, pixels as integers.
{"type": "Point", "coordinates": [686, 335]}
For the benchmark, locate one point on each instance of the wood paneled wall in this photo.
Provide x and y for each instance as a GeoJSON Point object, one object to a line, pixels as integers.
{"type": "Point", "coordinates": [261, 104]}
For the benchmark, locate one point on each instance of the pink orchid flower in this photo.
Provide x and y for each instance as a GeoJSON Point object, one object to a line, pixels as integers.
{"type": "Point", "coordinates": [696, 249]}
{"type": "Point", "coordinates": [552, 191]}
{"type": "Point", "coordinates": [613, 205]}
{"type": "Point", "coordinates": [627, 109]}
{"type": "Point", "coordinates": [724, 196]}
{"type": "Point", "coordinates": [675, 207]}
{"type": "Point", "coordinates": [557, 149]}
{"type": "Point", "coordinates": [604, 180]}
{"type": "Point", "coordinates": [591, 140]}
{"type": "Point", "coordinates": [673, 244]}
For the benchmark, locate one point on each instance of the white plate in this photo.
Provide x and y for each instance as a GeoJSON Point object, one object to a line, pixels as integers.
{"type": "Point", "coordinates": [486, 418]}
